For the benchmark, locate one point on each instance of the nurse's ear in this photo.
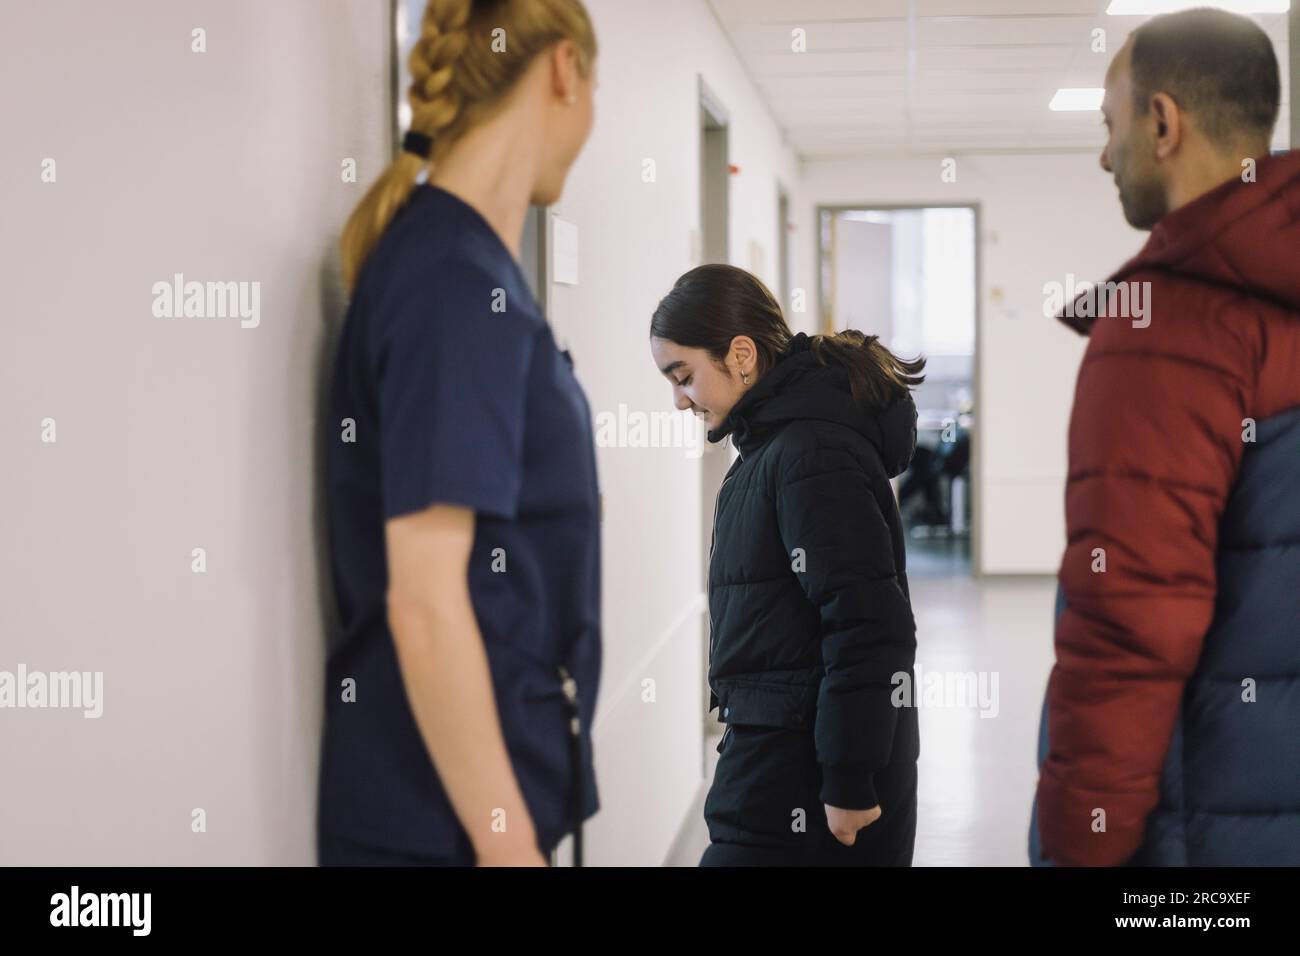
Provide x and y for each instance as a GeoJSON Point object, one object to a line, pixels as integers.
{"type": "Point", "coordinates": [742, 359]}
{"type": "Point", "coordinates": [565, 71]}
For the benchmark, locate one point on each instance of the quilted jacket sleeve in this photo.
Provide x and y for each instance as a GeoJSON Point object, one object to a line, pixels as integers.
{"type": "Point", "coordinates": [841, 552]}
{"type": "Point", "coordinates": [1156, 439]}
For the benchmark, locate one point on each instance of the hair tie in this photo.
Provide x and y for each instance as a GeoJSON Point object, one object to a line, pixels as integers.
{"type": "Point", "coordinates": [417, 143]}
{"type": "Point", "coordinates": [799, 343]}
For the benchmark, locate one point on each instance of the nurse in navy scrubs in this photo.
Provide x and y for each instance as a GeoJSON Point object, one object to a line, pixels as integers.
{"type": "Point", "coordinates": [463, 506]}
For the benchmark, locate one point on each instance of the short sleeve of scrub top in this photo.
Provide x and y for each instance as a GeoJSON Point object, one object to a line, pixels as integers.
{"type": "Point", "coordinates": [451, 383]}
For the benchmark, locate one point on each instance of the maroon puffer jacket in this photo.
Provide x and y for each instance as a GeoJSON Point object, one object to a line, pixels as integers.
{"type": "Point", "coordinates": [1155, 449]}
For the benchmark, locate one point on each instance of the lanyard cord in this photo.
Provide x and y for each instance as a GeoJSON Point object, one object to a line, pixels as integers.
{"type": "Point", "coordinates": [575, 762]}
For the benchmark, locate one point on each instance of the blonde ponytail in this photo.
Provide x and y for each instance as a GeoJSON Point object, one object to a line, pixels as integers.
{"type": "Point", "coordinates": [458, 77]}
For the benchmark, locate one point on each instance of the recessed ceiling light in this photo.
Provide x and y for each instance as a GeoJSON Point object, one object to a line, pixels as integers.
{"type": "Point", "coordinates": [1150, 8]}
{"type": "Point", "coordinates": [1077, 99]}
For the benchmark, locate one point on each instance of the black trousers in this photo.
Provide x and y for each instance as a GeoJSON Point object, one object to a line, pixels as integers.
{"type": "Point", "coordinates": [764, 807]}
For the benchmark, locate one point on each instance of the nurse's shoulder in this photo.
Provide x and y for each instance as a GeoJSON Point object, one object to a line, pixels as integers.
{"type": "Point", "coordinates": [444, 295]}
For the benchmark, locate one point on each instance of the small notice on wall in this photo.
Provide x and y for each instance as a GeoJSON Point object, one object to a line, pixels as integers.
{"type": "Point", "coordinates": [564, 260]}
{"type": "Point", "coordinates": [757, 258]}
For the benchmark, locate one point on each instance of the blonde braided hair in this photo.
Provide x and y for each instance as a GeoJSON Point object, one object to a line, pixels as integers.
{"type": "Point", "coordinates": [435, 100]}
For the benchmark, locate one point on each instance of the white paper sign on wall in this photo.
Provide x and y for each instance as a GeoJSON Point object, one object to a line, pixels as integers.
{"type": "Point", "coordinates": [564, 260]}
{"type": "Point", "coordinates": [757, 258]}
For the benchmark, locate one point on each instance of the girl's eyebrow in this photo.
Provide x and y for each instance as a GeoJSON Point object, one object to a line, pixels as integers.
{"type": "Point", "coordinates": [672, 365]}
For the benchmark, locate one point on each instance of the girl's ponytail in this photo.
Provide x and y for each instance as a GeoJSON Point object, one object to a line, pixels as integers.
{"type": "Point", "coordinates": [876, 375]}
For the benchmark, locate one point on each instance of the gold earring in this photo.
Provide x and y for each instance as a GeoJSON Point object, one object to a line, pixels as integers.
{"type": "Point", "coordinates": [744, 378]}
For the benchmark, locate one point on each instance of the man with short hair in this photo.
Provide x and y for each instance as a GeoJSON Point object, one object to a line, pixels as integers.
{"type": "Point", "coordinates": [1171, 725]}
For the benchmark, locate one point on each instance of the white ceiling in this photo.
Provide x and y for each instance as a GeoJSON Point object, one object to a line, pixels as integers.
{"type": "Point", "coordinates": [934, 77]}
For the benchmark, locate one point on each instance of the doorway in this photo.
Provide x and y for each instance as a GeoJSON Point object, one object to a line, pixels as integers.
{"type": "Point", "coordinates": [909, 274]}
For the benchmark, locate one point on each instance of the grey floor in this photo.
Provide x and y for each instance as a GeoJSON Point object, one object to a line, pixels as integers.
{"type": "Point", "coordinates": [977, 772]}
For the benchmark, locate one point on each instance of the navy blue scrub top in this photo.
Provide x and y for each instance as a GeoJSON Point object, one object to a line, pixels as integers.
{"type": "Point", "coordinates": [459, 395]}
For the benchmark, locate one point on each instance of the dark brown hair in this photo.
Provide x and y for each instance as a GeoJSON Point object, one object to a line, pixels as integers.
{"type": "Point", "coordinates": [712, 304]}
{"type": "Point", "coordinates": [1219, 66]}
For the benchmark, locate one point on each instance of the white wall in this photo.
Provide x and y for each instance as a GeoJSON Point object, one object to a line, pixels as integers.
{"type": "Point", "coordinates": [634, 241]}
{"type": "Point", "coordinates": [1040, 217]}
{"type": "Point", "coordinates": [172, 433]}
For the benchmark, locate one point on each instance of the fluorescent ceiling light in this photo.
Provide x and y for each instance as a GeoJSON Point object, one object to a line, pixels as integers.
{"type": "Point", "coordinates": [1150, 8]}
{"type": "Point", "coordinates": [1077, 99]}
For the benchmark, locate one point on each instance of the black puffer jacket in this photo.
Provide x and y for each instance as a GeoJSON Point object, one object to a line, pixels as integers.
{"type": "Point", "coordinates": [808, 598]}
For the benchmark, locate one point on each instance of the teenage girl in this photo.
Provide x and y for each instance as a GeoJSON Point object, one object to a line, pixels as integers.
{"type": "Point", "coordinates": [812, 629]}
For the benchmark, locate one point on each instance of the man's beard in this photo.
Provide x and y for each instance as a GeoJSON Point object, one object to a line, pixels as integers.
{"type": "Point", "coordinates": [1142, 196]}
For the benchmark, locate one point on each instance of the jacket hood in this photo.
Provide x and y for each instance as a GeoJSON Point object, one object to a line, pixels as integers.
{"type": "Point", "coordinates": [797, 387]}
{"type": "Point", "coordinates": [1244, 236]}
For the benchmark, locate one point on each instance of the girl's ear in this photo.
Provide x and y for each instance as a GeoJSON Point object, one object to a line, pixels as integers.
{"type": "Point", "coordinates": [744, 354]}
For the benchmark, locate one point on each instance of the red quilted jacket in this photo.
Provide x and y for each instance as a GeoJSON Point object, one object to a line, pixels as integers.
{"type": "Point", "coordinates": [1155, 443]}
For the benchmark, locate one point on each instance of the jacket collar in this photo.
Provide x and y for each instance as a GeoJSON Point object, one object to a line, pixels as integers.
{"type": "Point", "coordinates": [1242, 235]}
{"type": "Point", "coordinates": [798, 387]}
{"type": "Point", "coordinates": [795, 359]}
